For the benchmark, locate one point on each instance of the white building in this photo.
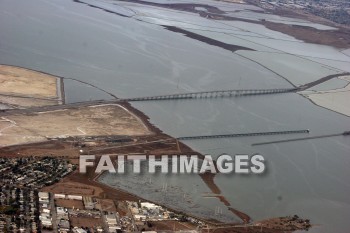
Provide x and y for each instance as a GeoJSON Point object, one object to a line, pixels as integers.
{"type": "Point", "coordinates": [75, 197]}
{"type": "Point", "coordinates": [113, 228]}
{"type": "Point", "coordinates": [111, 219]}
{"type": "Point", "coordinates": [44, 197]}
{"type": "Point", "coordinates": [140, 217]}
{"type": "Point", "coordinates": [149, 205]}
{"type": "Point", "coordinates": [45, 219]}
{"type": "Point", "coordinates": [47, 211]}
{"type": "Point", "coordinates": [79, 230]}
{"type": "Point", "coordinates": [88, 203]}
{"type": "Point", "coordinates": [59, 196]}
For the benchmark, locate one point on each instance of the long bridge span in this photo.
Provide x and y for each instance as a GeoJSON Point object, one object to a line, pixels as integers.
{"type": "Point", "coordinates": [191, 95]}
{"type": "Point", "coordinates": [214, 94]}
{"type": "Point", "coordinates": [244, 134]}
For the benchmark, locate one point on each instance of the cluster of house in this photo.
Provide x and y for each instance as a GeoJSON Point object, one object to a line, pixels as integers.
{"type": "Point", "coordinates": [302, 4]}
{"type": "Point", "coordinates": [33, 172]}
{"type": "Point", "coordinates": [18, 210]}
{"type": "Point", "coordinates": [54, 216]}
{"type": "Point", "coordinates": [26, 210]}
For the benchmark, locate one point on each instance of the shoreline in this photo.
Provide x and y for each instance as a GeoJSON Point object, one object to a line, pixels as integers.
{"type": "Point", "coordinates": [145, 120]}
{"type": "Point", "coordinates": [207, 178]}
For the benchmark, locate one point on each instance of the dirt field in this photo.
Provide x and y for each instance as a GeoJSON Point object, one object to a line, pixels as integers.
{"type": "Point", "coordinates": [106, 205]}
{"type": "Point", "coordinates": [70, 203]}
{"type": "Point", "coordinates": [15, 102]}
{"type": "Point", "coordinates": [336, 38]}
{"type": "Point", "coordinates": [85, 222]}
{"type": "Point", "coordinates": [93, 120]}
{"type": "Point", "coordinates": [73, 188]}
{"type": "Point", "coordinates": [23, 87]}
{"type": "Point", "coordinates": [171, 226]}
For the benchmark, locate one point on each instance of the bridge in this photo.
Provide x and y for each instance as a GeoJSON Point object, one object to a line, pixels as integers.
{"type": "Point", "coordinates": [345, 133]}
{"type": "Point", "coordinates": [244, 134]}
{"type": "Point", "coordinates": [213, 94]}
{"type": "Point", "coordinates": [192, 95]}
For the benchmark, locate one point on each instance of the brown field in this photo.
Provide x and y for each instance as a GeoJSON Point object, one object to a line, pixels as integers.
{"type": "Point", "coordinates": [92, 120]}
{"type": "Point", "coordinates": [23, 87]}
{"type": "Point", "coordinates": [171, 226]}
{"type": "Point", "coordinates": [85, 221]}
{"type": "Point", "coordinates": [26, 102]}
{"type": "Point", "coordinates": [70, 203]}
{"type": "Point", "coordinates": [21, 81]}
{"type": "Point", "coordinates": [106, 205]}
{"type": "Point", "coordinates": [73, 188]}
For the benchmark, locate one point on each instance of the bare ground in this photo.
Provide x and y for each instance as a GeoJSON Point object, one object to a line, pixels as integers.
{"type": "Point", "coordinates": [23, 87]}
{"type": "Point", "coordinates": [70, 203]}
{"type": "Point", "coordinates": [85, 221]}
{"type": "Point", "coordinates": [84, 121]}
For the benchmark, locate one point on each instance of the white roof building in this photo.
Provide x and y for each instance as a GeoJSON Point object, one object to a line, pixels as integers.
{"type": "Point", "coordinates": [88, 203]}
{"type": "Point", "coordinates": [43, 195]}
{"type": "Point", "coordinates": [149, 205]}
{"type": "Point", "coordinates": [140, 217]}
{"type": "Point", "coordinates": [79, 230]}
{"type": "Point", "coordinates": [60, 210]}
{"type": "Point", "coordinates": [113, 228]}
{"type": "Point", "coordinates": [59, 196]}
{"type": "Point", "coordinates": [46, 211]}
{"type": "Point", "coordinates": [75, 197]}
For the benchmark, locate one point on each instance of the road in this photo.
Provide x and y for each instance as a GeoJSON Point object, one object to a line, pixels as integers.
{"type": "Point", "coordinates": [53, 213]}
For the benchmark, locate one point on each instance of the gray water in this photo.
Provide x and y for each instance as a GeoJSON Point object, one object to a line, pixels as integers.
{"type": "Point", "coordinates": [131, 58]}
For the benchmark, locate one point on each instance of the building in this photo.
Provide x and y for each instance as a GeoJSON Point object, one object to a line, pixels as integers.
{"type": "Point", "coordinates": [60, 210]}
{"type": "Point", "coordinates": [88, 203]}
{"type": "Point", "coordinates": [59, 196]}
{"type": "Point", "coordinates": [114, 228]}
{"type": "Point", "coordinates": [111, 219]}
{"type": "Point", "coordinates": [79, 230]}
{"type": "Point", "coordinates": [44, 197]}
{"type": "Point", "coordinates": [140, 217]}
{"type": "Point", "coordinates": [46, 220]}
{"type": "Point", "coordinates": [112, 223]}
{"type": "Point", "coordinates": [75, 197]}
{"type": "Point", "coordinates": [64, 225]}
{"type": "Point", "coordinates": [148, 205]}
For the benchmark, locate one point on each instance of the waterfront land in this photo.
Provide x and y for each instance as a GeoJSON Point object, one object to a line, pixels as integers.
{"type": "Point", "coordinates": [85, 121]}
{"type": "Point", "coordinates": [20, 87]}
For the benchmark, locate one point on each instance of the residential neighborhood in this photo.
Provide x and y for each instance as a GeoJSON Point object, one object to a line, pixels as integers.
{"type": "Point", "coordinates": [33, 172]}
{"type": "Point", "coordinates": [337, 11]}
